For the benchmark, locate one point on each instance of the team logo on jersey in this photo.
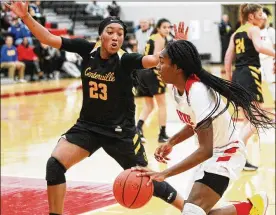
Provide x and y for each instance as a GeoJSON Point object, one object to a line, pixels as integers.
{"type": "Point", "coordinates": [106, 77]}
{"type": "Point", "coordinates": [185, 118]}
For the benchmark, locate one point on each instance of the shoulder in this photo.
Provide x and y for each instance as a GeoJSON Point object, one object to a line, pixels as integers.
{"type": "Point", "coordinates": [125, 57]}
{"type": "Point", "coordinates": [192, 80]}
{"type": "Point", "coordinates": [253, 29]}
{"type": "Point", "coordinates": [198, 89]}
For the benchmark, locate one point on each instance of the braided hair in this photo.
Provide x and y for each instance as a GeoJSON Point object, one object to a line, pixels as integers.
{"type": "Point", "coordinates": [185, 56]}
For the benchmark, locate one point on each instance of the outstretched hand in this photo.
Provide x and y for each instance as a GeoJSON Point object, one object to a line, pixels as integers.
{"type": "Point", "coordinates": [20, 8]}
{"type": "Point", "coordinates": [162, 152]}
{"type": "Point", "coordinates": [144, 171]}
{"type": "Point", "coordinates": [180, 32]}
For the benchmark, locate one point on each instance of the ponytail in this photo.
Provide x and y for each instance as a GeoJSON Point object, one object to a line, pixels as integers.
{"type": "Point", "coordinates": [246, 9]}
{"type": "Point", "coordinates": [185, 55]}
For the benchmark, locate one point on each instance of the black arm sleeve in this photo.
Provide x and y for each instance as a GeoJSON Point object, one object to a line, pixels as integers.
{"type": "Point", "coordinates": [77, 45]}
{"type": "Point", "coordinates": [132, 61]}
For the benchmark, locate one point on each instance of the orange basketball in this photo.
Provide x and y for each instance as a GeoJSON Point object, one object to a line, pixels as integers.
{"type": "Point", "coordinates": [131, 191]}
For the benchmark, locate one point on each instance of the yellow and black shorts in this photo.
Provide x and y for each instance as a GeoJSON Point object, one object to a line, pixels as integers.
{"type": "Point", "coordinates": [250, 78]}
{"type": "Point", "coordinates": [128, 150]}
{"type": "Point", "coordinates": [149, 83]}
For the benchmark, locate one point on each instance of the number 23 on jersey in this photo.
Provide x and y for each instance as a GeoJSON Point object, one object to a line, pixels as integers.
{"type": "Point", "coordinates": [98, 90]}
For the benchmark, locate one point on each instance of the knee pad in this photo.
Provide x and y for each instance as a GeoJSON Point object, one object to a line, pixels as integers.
{"type": "Point", "coordinates": [55, 172]}
{"type": "Point", "coordinates": [164, 191]}
{"type": "Point", "coordinates": [191, 209]}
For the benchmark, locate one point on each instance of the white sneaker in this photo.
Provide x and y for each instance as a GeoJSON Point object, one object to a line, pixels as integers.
{"type": "Point", "coordinates": [22, 81]}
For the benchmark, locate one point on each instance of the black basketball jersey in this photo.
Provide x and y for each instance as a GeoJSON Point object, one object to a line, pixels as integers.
{"type": "Point", "coordinates": [108, 102]}
{"type": "Point", "coordinates": [149, 49]}
{"type": "Point", "coordinates": [246, 54]}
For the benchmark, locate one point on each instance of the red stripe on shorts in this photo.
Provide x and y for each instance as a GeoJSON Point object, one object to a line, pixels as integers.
{"type": "Point", "coordinates": [227, 151]}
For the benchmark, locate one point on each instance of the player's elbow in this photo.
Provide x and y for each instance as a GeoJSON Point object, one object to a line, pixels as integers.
{"type": "Point", "coordinates": [207, 152]}
{"type": "Point", "coordinates": [258, 48]}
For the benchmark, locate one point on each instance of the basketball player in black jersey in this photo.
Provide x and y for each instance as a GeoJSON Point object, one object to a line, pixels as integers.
{"type": "Point", "coordinates": [151, 85]}
{"type": "Point", "coordinates": [107, 115]}
{"type": "Point", "coordinates": [245, 45]}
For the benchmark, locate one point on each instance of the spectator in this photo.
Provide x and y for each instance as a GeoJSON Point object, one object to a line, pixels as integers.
{"type": "Point", "coordinates": [36, 12]}
{"type": "Point", "coordinates": [71, 63]}
{"type": "Point", "coordinates": [143, 34]}
{"type": "Point", "coordinates": [114, 9]}
{"type": "Point", "coordinates": [18, 30]}
{"type": "Point", "coordinates": [47, 59]}
{"type": "Point", "coordinates": [36, 6]}
{"type": "Point", "coordinates": [9, 60]}
{"type": "Point", "coordinates": [225, 31]}
{"type": "Point", "coordinates": [28, 57]}
{"type": "Point", "coordinates": [94, 9]}
{"type": "Point", "coordinates": [5, 18]}
{"type": "Point", "coordinates": [131, 45]}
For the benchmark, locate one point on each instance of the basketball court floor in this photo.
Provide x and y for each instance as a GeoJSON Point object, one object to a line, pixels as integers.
{"type": "Point", "coordinates": [34, 115]}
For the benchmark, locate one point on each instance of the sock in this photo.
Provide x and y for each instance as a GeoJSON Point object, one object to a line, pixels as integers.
{"type": "Point", "coordinates": [140, 124]}
{"type": "Point", "coordinates": [243, 208]}
{"type": "Point", "coordinates": [163, 130]}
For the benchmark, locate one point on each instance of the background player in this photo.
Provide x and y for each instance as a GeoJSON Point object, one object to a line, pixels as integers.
{"type": "Point", "coordinates": [221, 154]}
{"type": "Point", "coordinates": [107, 115]}
{"type": "Point", "coordinates": [246, 45]}
{"type": "Point", "coordinates": [151, 85]}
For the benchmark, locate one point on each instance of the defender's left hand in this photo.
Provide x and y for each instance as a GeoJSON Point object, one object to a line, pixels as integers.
{"type": "Point", "coordinates": [181, 33]}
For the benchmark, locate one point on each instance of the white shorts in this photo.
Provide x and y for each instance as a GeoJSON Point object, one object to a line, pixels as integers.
{"type": "Point", "coordinates": [267, 69]}
{"type": "Point", "coordinates": [227, 161]}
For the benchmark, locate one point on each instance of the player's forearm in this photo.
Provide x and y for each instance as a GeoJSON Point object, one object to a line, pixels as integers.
{"type": "Point", "coordinates": [267, 51]}
{"type": "Point", "coordinates": [228, 60]}
{"type": "Point", "coordinates": [196, 158]}
{"type": "Point", "coordinates": [182, 135]}
{"type": "Point", "coordinates": [40, 32]}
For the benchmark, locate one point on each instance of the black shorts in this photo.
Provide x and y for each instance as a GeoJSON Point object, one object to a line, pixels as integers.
{"type": "Point", "coordinates": [150, 83]}
{"type": "Point", "coordinates": [127, 151]}
{"type": "Point", "coordinates": [251, 79]}
{"type": "Point", "coordinates": [217, 183]}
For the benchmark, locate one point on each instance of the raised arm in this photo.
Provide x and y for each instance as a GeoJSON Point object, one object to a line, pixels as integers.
{"type": "Point", "coordinates": [20, 8]}
{"type": "Point", "coordinates": [229, 57]}
{"type": "Point", "coordinates": [181, 33]}
{"type": "Point", "coordinates": [254, 35]}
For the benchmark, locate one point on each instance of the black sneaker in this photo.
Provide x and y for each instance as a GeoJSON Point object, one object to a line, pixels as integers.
{"type": "Point", "coordinates": [163, 138]}
{"type": "Point", "coordinates": [140, 132]}
{"type": "Point", "coordinates": [249, 167]}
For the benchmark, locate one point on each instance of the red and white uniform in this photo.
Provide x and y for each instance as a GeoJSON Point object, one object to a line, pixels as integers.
{"type": "Point", "coordinates": [267, 62]}
{"type": "Point", "coordinates": [228, 152]}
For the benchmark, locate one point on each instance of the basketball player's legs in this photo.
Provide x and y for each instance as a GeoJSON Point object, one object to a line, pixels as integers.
{"type": "Point", "coordinates": [162, 109]}
{"type": "Point", "coordinates": [64, 156]}
{"type": "Point", "coordinates": [73, 147]}
{"type": "Point", "coordinates": [147, 108]}
{"type": "Point", "coordinates": [203, 198]}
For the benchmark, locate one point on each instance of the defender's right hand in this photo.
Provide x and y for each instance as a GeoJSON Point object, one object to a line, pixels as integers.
{"type": "Point", "coordinates": [20, 8]}
{"type": "Point", "coordinates": [162, 152]}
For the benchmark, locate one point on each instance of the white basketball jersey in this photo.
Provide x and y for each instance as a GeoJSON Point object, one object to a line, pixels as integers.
{"type": "Point", "coordinates": [198, 104]}
{"type": "Point", "coordinates": [268, 39]}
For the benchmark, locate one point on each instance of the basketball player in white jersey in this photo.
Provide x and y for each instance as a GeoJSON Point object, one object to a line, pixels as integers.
{"type": "Point", "coordinates": [221, 154]}
{"type": "Point", "coordinates": [268, 39]}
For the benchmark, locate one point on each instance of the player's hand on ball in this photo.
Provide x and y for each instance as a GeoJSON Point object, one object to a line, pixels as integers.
{"type": "Point", "coordinates": [144, 171]}
{"type": "Point", "coordinates": [20, 8]}
{"type": "Point", "coordinates": [162, 152]}
{"type": "Point", "coordinates": [180, 32]}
